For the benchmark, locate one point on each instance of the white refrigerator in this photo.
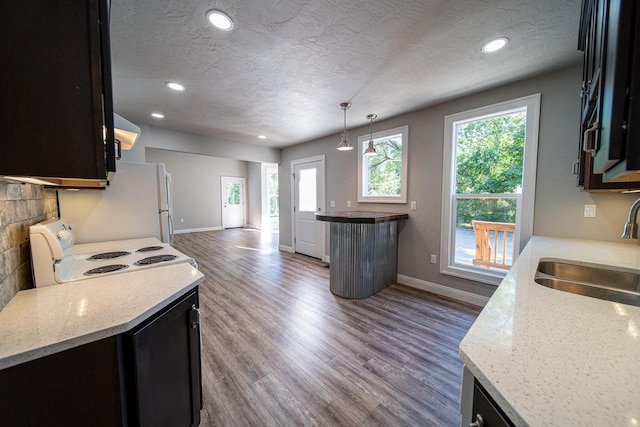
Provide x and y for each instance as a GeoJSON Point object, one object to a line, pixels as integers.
{"type": "Point", "coordinates": [136, 204]}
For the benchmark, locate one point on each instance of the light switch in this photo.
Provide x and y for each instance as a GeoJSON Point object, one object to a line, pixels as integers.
{"type": "Point", "coordinates": [332, 203]}
{"type": "Point", "coordinates": [414, 206]}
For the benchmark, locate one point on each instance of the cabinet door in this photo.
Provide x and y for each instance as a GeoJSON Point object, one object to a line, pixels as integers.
{"type": "Point", "coordinates": [55, 86]}
{"type": "Point", "coordinates": [167, 367]}
{"type": "Point", "coordinates": [487, 410]}
{"type": "Point", "coordinates": [82, 386]}
{"type": "Point", "coordinates": [615, 78]}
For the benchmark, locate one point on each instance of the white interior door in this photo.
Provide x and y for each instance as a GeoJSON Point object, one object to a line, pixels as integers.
{"type": "Point", "coordinates": [232, 193]}
{"type": "Point", "coordinates": [308, 199]}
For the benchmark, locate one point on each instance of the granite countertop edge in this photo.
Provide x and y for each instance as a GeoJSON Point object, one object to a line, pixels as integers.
{"type": "Point", "coordinates": [43, 321]}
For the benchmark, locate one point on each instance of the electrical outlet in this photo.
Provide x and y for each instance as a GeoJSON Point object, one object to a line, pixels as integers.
{"type": "Point", "coordinates": [589, 211]}
{"type": "Point", "coordinates": [332, 203]}
{"type": "Point", "coordinates": [348, 203]}
{"type": "Point", "coordinates": [181, 219]}
{"type": "Point", "coordinates": [434, 258]}
{"type": "Point", "coordinates": [414, 206]}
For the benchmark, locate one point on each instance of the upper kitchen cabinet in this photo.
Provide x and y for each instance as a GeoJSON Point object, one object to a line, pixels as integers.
{"type": "Point", "coordinates": [55, 85]}
{"type": "Point", "coordinates": [610, 131]}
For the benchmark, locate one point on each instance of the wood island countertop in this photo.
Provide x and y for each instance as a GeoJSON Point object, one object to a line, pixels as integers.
{"type": "Point", "coordinates": [360, 217]}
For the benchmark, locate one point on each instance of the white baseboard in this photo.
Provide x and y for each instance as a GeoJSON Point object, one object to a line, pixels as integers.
{"type": "Point", "coordinates": [196, 230]}
{"type": "Point", "coordinates": [446, 291]}
{"type": "Point", "coordinates": [327, 259]}
{"type": "Point", "coordinates": [255, 227]}
{"type": "Point", "coordinates": [284, 248]}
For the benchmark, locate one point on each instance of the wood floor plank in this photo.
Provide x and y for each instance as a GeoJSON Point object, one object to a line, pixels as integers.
{"type": "Point", "coordinates": [280, 349]}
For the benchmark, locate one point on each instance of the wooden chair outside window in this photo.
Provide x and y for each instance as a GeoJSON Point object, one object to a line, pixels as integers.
{"type": "Point", "coordinates": [492, 241]}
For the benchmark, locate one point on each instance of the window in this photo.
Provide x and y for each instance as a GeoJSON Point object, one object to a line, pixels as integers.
{"type": "Point", "coordinates": [382, 178]}
{"type": "Point", "coordinates": [489, 165]}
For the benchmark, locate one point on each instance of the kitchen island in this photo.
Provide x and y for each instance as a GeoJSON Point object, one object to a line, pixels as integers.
{"type": "Point", "coordinates": [364, 251]}
{"type": "Point", "coordinates": [553, 358]}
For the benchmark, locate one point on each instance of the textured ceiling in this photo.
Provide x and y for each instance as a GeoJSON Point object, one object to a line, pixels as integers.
{"type": "Point", "coordinates": [286, 65]}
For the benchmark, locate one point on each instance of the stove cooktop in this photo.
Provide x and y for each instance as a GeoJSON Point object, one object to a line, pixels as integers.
{"type": "Point", "coordinates": [83, 266]}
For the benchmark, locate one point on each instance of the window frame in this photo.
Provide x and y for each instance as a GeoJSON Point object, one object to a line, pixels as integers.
{"type": "Point", "coordinates": [525, 209]}
{"type": "Point", "coordinates": [363, 142]}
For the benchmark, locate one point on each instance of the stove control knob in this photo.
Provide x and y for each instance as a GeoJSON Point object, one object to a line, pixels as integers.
{"type": "Point", "coordinates": [63, 235]}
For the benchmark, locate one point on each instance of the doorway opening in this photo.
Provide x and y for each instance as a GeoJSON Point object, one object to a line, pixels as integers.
{"type": "Point", "coordinates": [270, 197]}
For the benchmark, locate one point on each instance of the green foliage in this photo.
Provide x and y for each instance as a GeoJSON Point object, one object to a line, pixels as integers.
{"type": "Point", "coordinates": [490, 155]}
{"type": "Point", "coordinates": [385, 168]}
{"type": "Point", "coordinates": [495, 210]}
{"type": "Point", "coordinates": [233, 194]}
{"type": "Point", "coordinates": [272, 182]}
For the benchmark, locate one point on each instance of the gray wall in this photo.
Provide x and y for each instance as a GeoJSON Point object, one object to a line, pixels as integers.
{"type": "Point", "coordinates": [166, 139]}
{"type": "Point", "coordinates": [254, 194]}
{"type": "Point", "coordinates": [559, 203]}
{"type": "Point", "coordinates": [196, 186]}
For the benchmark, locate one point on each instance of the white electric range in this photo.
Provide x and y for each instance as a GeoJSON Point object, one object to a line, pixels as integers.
{"type": "Point", "coordinates": [56, 259]}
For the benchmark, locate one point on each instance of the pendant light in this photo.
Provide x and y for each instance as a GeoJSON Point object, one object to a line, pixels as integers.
{"type": "Point", "coordinates": [345, 145]}
{"type": "Point", "coordinates": [371, 151]}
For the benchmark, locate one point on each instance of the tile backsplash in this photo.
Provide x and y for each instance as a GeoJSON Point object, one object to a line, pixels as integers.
{"type": "Point", "coordinates": [21, 205]}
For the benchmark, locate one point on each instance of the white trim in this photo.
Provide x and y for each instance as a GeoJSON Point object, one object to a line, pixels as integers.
{"type": "Point", "coordinates": [196, 230]}
{"type": "Point", "coordinates": [457, 294]}
{"type": "Point", "coordinates": [362, 141]}
{"type": "Point", "coordinates": [525, 208]}
{"type": "Point", "coordinates": [327, 259]}
{"type": "Point", "coordinates": [322, 203]}
{"type": "Point", "coordinates": [284, 248]}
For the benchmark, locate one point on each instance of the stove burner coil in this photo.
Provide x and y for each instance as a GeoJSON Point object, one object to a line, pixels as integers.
{"type": "Point", "coordinates": [105, 269]}
{"type": "Point", "coordinates": [108, 255]}
{"type": "Point", "coordinates": [155, 259]}
{"type": "Point", "coordinates": [150, 249]}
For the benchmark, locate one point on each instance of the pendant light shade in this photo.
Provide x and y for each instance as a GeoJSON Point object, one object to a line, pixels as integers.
{"type": "Point", "coordinates": [345, 145]}
{"type": "Point", "coordinates": [371, 151]}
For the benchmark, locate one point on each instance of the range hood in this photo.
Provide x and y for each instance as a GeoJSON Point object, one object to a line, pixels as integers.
{"type": "Point", "coordinates": [125, 132]}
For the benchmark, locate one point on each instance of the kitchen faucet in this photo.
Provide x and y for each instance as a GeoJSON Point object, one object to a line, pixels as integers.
{"type": "Point", "coordinates": [630, 230]}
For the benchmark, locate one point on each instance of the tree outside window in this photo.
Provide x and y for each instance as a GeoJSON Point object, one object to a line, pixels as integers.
{"type": "Point", "coordinates": [382, 178]}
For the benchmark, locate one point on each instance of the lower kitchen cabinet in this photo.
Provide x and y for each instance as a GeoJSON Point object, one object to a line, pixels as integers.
{"type": "Point", "coordinates": [486, 413]}
{"type": "Point", "coordinates": [166, 367]}
{"type": "Point", "coordinates": [149, 376]}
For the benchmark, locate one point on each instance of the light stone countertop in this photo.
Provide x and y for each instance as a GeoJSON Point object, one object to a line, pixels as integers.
{"type": "Point", "coordinates": [552, 358]}
{"type": "Point", "coordinates": [42, 321]}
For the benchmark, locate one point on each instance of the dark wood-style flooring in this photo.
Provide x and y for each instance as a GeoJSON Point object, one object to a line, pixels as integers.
{"type": "Point", "coordinates": [280, 349]}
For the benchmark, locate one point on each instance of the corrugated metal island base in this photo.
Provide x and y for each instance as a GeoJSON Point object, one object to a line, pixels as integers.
{"type": "Point", "coordinates": [364, 251]}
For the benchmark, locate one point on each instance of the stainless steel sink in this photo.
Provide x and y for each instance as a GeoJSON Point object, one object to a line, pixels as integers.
{"type": "Point", "coordinates": [593, 280]}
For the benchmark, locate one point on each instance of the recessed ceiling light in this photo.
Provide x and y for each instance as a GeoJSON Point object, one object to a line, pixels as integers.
{"type": "Point", "coordinates": [495, 44]}
{"type": "Point", "coordinates": [157, 115]}
{"type": "Point", "coordinates": [174, 86]}
{"type": "Point", "coordinates": [220, 20]}
{"type": "Point", "coordinates": [262, 137]}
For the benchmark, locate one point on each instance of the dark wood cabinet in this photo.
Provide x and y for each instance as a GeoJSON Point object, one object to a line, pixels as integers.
{"type": "Point", "coordinates": [166, 368]}
{"type": "Point", "coordinates": [486, 413]}
{"type": "Point", "coordinates": [609, 140]}
{"type": "Point", "coordinates": [55, 85]}
{"type": "Point", "coordinates": [149, 376]}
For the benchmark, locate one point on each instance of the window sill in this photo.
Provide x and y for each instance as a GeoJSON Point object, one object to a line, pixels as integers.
{"type": "Point", "coordinates": [490, 277]}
